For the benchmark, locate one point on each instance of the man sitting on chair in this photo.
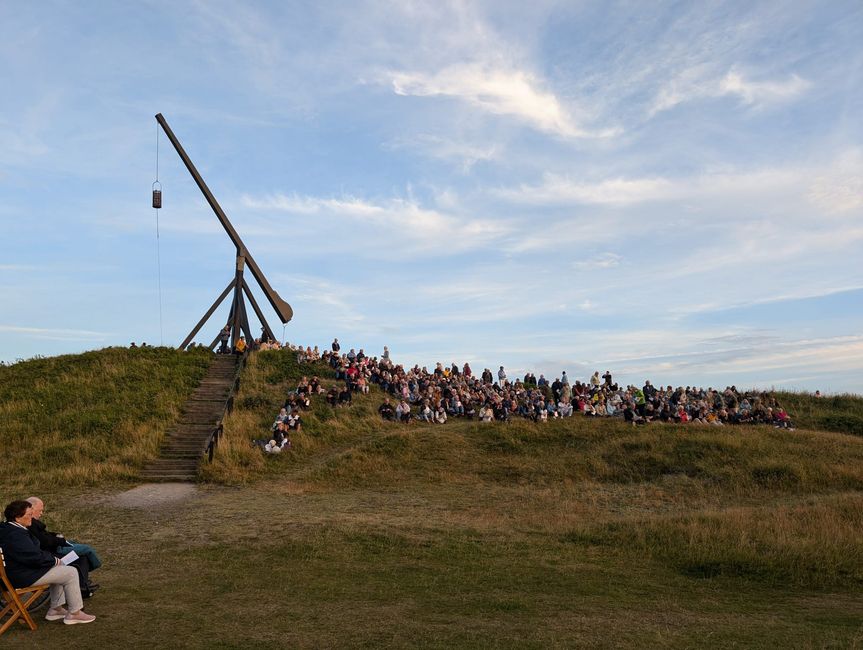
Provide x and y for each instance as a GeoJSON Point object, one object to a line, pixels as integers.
{"type": "Point", "coordinates": [56, 544]}
{"type": "Point", "coordinates": [27, 564]}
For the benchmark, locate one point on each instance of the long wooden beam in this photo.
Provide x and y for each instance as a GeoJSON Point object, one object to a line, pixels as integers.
{"type": "Point", "coordinates": [282, 308]}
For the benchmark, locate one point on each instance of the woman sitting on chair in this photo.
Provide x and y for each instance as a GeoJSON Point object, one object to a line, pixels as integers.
{"type": "Point", "coordinates": [27, 564]}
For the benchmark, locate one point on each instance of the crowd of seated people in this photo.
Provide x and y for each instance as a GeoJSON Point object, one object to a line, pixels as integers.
{"type": "Point", "coordinates": [419, 395]}
{"type": "Point", "coordinates": [289, 419]}
{"type": "Point", "coordinates": [450, 392]}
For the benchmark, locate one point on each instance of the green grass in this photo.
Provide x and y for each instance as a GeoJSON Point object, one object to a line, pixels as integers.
{"type": "Point", "coordinates": [90, 418]}
{"type": "Point", "coordinates": [575, 533]}
{"type": "Point", "coordinates": [841, 413]}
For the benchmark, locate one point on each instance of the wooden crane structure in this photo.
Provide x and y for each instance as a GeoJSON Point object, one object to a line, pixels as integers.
{"type": "Point", "coordinates": [238, 320]}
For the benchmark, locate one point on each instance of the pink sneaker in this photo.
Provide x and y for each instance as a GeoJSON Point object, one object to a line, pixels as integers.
{"type": "Point", "coordinates": [80, 617]}
{"type": "Point", "coordinates": [56, 614]}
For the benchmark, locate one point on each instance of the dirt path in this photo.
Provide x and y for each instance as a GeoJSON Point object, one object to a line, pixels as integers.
{"type": "Point", "coordinates": [152, 495]}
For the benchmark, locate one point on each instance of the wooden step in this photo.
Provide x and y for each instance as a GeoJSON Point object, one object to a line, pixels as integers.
{"type": "Point", "coordinates": [186, 442]}
{"type": "Point", "coordinates": [169, 478]}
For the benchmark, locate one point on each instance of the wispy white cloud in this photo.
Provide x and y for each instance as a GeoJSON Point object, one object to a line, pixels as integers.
{"type": "Point", "coordinates": [563, 234]}
{"type": "Point", "coordinates": [401, 218]}
{"type": "Point", "coordinates": [601, 261]}
{"type": "Point", "coordinates": [697, 83]}
{"type": "Point", "coordinates": [466, 154]}
{"type": "Point", "coordinates": [500, 91]}
{"type": "Point", "coordinates": [840, 190]}
{"type": "Point", "coordinates": [785, 295]}
{"type": "Point", "coordinates": [56, 334]}
{"type": "Point", "coordinates": [762, 93]}
{"type": "Point", "coordinates": [745, 358]}
{"type": "Point", "coordinates": [555, 188]}
{"type": "Point", "coordinates": [334, 298]}
{"type": "Point", "coordinates": [834, 186]}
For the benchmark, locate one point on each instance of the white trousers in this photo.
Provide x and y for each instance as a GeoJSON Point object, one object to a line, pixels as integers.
{"type": "Point", "coordinates": [64, 587]}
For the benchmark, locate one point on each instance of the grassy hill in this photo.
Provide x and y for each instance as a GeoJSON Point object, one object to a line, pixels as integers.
{"type": "Point", "coordinates": [574, 533]}
{"type": "Point", "coordinates": [89, 418]}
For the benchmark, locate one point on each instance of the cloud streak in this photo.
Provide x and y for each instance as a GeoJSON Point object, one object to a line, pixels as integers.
{"type": "Point", "coordinates": [499, 91]}
{"type": "Point", "coordinates": [404, 219]}
{"type": "Point", "coordinates": [691, 86]}
{"type": "Point", "coordinates": [835, 186]}
{"type": "Point", "coordinates": [55, 334]}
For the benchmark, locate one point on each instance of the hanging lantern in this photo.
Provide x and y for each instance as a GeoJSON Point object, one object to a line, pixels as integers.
{"type": "Point", "coordinates": [157, 195]}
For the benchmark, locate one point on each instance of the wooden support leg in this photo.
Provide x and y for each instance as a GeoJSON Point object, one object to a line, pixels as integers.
{"type": "Point", "coordinates": [209, 313]}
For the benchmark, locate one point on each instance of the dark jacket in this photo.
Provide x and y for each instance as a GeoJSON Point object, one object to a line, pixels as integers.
{"type": "Point", "coordinates": [25, 561]}
{"type": "Point", "coordinates": [48, 541]}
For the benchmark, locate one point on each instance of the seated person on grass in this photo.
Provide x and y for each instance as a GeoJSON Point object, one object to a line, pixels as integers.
{"type": "Point", "coordinates": [273, 447]}
{"type": "Point", "coordinates": [386, 410]}
{"type": "Point", "coordinates": [781, 420]}
{"type": "Point", "coordinates": [281, 417]}
{"type": "Point", "coordinates": [294, 422]}
{"type": "Point", "coordinates": [426, 414]}
{"type": "Point", "coordinates": [630, 415]}
{"type": "Point", "coordinates": [282, 435]}
{"type": "Point", "coordinates": [27, 564]}
{"type": "Point", "coordinates": [403, 411]}
{"type": "Point", "coordinates": [542, 412]}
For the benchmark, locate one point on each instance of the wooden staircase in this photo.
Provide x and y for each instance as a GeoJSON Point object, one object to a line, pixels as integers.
{"type": "Point", "coordinates": [201, 419]}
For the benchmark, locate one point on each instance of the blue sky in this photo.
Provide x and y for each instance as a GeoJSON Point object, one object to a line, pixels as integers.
{"type": "Point", "coordinates": [671, 191]}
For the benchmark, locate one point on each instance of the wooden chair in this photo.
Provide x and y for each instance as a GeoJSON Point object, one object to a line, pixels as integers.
{"type": "Point", "coordinates": [17, 600]}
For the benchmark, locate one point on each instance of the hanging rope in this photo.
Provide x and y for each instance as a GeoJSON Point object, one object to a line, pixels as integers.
{"type": "Point", "coordinates": [156, 207]}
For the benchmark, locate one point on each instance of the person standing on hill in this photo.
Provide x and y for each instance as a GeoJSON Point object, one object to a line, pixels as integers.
{"type": "Point", "coordinates": [649, 390]}
{"type": "Point", "coordinates": [501, 377]}
{"type": "Point", "coordinates": [336, 347]}
{"type": "Point", "coordinates": [557, 389]}
{"type": "Point", "coordinates": [565, 389]}
{"type": "Point", "coordinates": [224, 337]}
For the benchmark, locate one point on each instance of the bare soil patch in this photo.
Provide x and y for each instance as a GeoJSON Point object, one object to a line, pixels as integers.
{"type": "Point", "coordinates": [152, 495]}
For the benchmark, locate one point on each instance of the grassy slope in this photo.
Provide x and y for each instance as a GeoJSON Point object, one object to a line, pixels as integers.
{"type": "Point", "coordinates": [85, 419]}
{"type": "Point", "coordinates": [573, 534]}
{"type": "Point", "coordinates": [842, 413]}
